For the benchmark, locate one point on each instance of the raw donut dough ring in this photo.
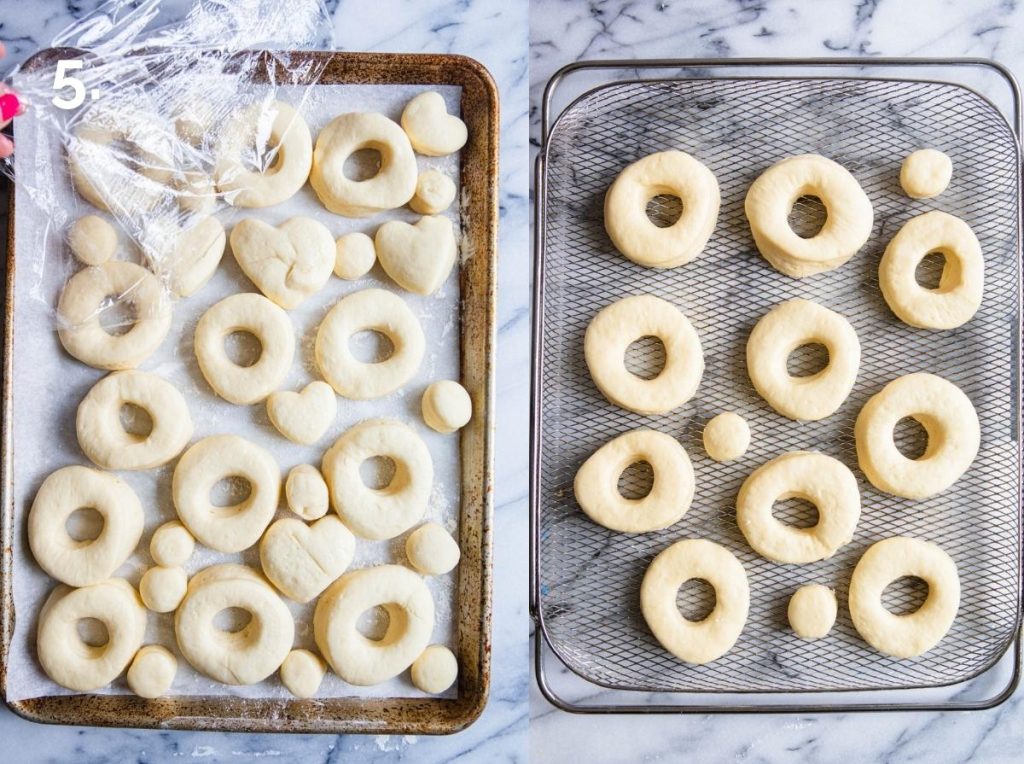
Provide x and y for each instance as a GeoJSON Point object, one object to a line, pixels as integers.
{"type": "Point", "coordinates": [172, 545]}
{"type": "Point", "coordinates": [392, 186]}
{"type": "Point", "coordinates": [432, 550]}
{"type": "Point", "coordinates": [695, 641]}
{"type": "Point", "coordinates": [925, 173]}
{"type": "Point", "coordinates": [435, 670]}
{"type": "Point", "coordinates": [410, 608]}
{"type": "Point", "coordinates": [825, 482]}
{"type": "Point", "coordinates": [75, 664]}
{"type": "Point", "coordinates": [302, 672]}
{"type": "Point", "coordinates": [269, 323]}
{"type": "Point", "coordinates": [246, 656]}
{"type": "Point", "coordinates": [81, 563]}
{"type": "Point", "coordinates": [201, 467]}
{"type": "Point", "coordinates": [152, 671]}
{"type": "Point", "coordinates": [910, 635]}
{"type": "Point", "coordinates": [812, 611]}
{"type": "Point", "coordinates": [726, 437]}
{"type": "Point", "coordinates": [783, 329]}
{"type": "Point", "coordinates": [961, 285]}
{"type": "Point", "coordinates": [369, 310]}
{"type": "Point", "coordinates": [616, 327]}
{"type": "Point", "coordinates": [162, 588]}
{"type": "Point", "coordinates": [82, 303]}
{"type": "Point", "coordinates": [625, 209]}
{"type": "Point", "coordinates": [446, 406]}
{"type": "Point", "coordinates": [289, 134]}
{"type": "Point", "coordinates": [597, 483]}
{"type": "Point", "coordinates": [104, 440]}
{"type": "Point", "coordinates": [771, 198]}
{"type": "Point", "coordinates": [947, 415]}
{"type": "Point", "coordinates": [382, 513]}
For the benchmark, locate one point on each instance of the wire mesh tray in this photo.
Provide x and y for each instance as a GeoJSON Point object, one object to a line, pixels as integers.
{"type": "Point", "coordinates": [587, 578]}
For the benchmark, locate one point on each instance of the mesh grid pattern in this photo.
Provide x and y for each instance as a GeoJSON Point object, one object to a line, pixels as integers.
{"type": "Point", "coordinates": [589, 576]}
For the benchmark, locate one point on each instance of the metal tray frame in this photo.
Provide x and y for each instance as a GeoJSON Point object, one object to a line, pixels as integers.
{"type": "Point", "coordinates": [736, 702]}
{"type": "Point", "coordinates": [478, 282]}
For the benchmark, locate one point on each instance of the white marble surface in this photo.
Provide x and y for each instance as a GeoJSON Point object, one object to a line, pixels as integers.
{"type": "Point", "coordinates": [494, 32]}
{"type": "Point", "coordinates": [564, 31]}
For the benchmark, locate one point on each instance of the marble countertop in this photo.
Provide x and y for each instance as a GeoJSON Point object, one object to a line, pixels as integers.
{"type": "Point", "coordinates": [562, 32]}
{"type": "Point", "coordinates": [493, 32]}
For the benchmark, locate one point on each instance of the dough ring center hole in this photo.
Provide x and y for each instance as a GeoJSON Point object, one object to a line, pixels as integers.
{"type": "Point", "coordinates": [664, 210]}
{"type": "Point", "coordinates": [807, 360]}
{"type": "Point", "coordinates": [696, 599]}
{"type": "Point", "coordinates": [646, 357]}
{"type": "Point", "coordinates": [930, 270]}
{"type": "Point", "coordinates": [243, 348]}
{"type": "Point", "coordinates": [229, 492]}
{"type": "Point", "coordinates": [362, 165]}
{"type": "Point", "coordinates": [905, 595]}
{"type": "Point", "coordinates": [796, 512]}
{"type": "Point", "coordinates": [374, 623]}
{"type": "Point", "coordinates": [136, 421]}
{"type": "Point", "coordinates": [84, 525]}
{"type": "Point", "coordinates": [117, 314]}
{"type": "Point", "coordinates": [93, 633]}
{"type": "Point", "coordinates": [636, 481]}
{"type": "Point", "coordinates": [910, 437]}
{"type": "Point", "coordinates": [808, 216]}
{"type": "Point", "coordinates": [378, 472]}
{"type": "Point", "coordinates": [232, 620]}
{"type": "Point", "coordinates": [371, 346]}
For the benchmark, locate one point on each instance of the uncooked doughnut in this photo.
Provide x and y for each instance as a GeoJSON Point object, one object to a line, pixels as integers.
{"type": "Point", "coordinates": [417, 257]}
{"type": "Point", "coordinates": [172, 545]}
{"type": "Point", "coordinates": [354, 256]}
{"type": "Point", "coordinates": [287, 263]}
{"type": "Point", "coordinates": [812, 611]}
{"type": "Point", "coordinates": [726, 436]}
{"type": "Point", "coordinates": [193, 257]}
{"type": "Point", "coordinates": [435, 670]}
{"type": "Point", "coordinates": [302, 560]}
{"type": "Point", "coordinates": [92, 240]}
{"type": "Point", "coordinates": [431, 129]}
{"type": "Point", "coordinates": [925, 173]}
{"type": "Point", "coordinates": [432, 550]}
{"type": "Point", "coordinates": [152, 671]}
{"type": "Point", "coordinates": [435, 193]}
{"type": "Point", "coordinates": [162, 588]}
{"type": "Point", "coordinates": [446, 406]}
{"type": "Point", "coordinates": [306, 492]}
{"type": "Point", "coordinates": [302, 672]}
{"type": "Point", "coordinates": [303, 417]}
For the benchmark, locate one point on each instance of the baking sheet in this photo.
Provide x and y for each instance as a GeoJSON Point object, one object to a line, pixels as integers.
{"type": "Point", "coordinates": [47, 386]}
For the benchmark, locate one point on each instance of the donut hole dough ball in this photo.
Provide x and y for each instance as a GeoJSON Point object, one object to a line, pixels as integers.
{"type": "Point", "coordinates": [636, 236]}
{"type": "Point", "coordinates": [360, 660]}
{"type": "Point", "coordinates": [771, 198]}
{"type": "Point", "coordinates": [446, 406]}
{"type": "Point", "coordinates": [379, 513]}
{"type": "Point", "coordinates": [791, 325]}
{"type": "Point", "coordinates": [302, 672]}
{"type": "Point", "coordinates": [172, 545]}
{"type": "Point", "coordinates": [726, 437]}
{"type": "Point", "coordinates": [163, 588]}
{"type": "Point", "coordinates": [812, 611]}
{"type": "Point", "coordinates": [106, 441]}
{"type": "Point", "coordinates": [616, 327]}
{"type": "Point", "coordinates": [207, 462]}
{"type": "Point", "coordinates": [94, 295]}
{"type": "Point", "coordinates": [672, 487]}
{"type": "Point", "coordinates": [435, 193]}
{"type": "Point", "coordinates": [288, 135]}
{"type": "Point", "coordinates": [710, 638]}
{"type": "Point", "coordinates": [369, 310]}
{"type": "Point", "coordinates": [306, 492]}
{"type": "Point", "coordinates": [825, 482]}
{"type": "Point", "coordinates": [74, 663]}
{"type": "Point", "coordinates": [912, 634]}
{"type": "Point", "coordinates": [268, 323]}
{"type": "Point", "coordinates": [92, 240]}
{"type": "Point", "coordinates": [152, 671]}
{"type": "Point", "coordinates": [925, 173]}
{"type": "Point", "coordinates": [83, 562]}
{"type": "Point", "coordinates": [958, 295]}
{"type": "Point", "coordinates": [354, 256]}
{"type": "Point", "coordinates": [249, 654]}
{"type": "Point", "coordinates": [948, 417]}
{"type": "Point", "coordinates": [392, 186]}
{"type": "Point", "coordinates": [432, 550]}
{"type": "Point", "coordinates": [435, 670]}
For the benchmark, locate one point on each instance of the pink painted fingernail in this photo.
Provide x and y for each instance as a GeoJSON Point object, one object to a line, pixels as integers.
{"type": "Point", "coordinates": [9, 105]}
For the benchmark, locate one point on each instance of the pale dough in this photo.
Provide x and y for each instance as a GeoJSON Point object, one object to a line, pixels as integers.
{"type": "Point", "coordinates": [354, 256]}
{"type": "Point", "coordinates": [947, 415]}
{"type": "Point", "coordinates": [616, 327]}
{"type": "Point", "coordinates": [197, 192]}
{"type": "Point", "coordinates": [825, 482]}
{"type": "Point", "coordinates": [597, 483]}
{"type": "Point", "coordinates": [435, 670]}
{"type": "Point", "coordinates": [191, 256]}
{"type": "Point", "coordinates": [302, 672]}
{"type": "Point", "coordinates": [431, 129]}
{"type": "Point", "coordinates": [726, 437]}
{"type": "Point", "coordinates": [263, 319]}
{"type": "Point", "coordinates": [152, 671]}
{"type": "Point", "coordinates": [771, 198]}
{"type": "Point", "coordinates": [417, 257]}
{"type": "Point", "coordinates": [446, 406]}
{"type": "Point", "coordinates": [925, 173]}
{"type": "Point", "coordinates": [92, 240]}
{"type": "Point", "coordinates": [302, 560]}
{"type": "Point", "coordinates": [306, 492]}
{"type": "Point", "coordinates": [172, 545]}
{"type": "Point", "coordinates": [910, 635]}
{"type": "Point", "coordinates": [287, 263]}
{"type": "Point", "coordinates": [105, 441]}
{"type": "Point", "coordinates": [303, 417]}
{"type": "Point", "coordinates": [81, 563]}
{"type": "Point", "coordinates": [410, 608]}
{"type": "Point", "coordinates": [379, 513]}
{"type": "Point", "coordinates": [163, 588]}
{"type": "Point", "coordinates": [695, 641]}
{"type": "Point", "coordinates": [201, 467]}
{"type": "Point", "coordinates": [812, 611]}
{"type": "Point", "coordinates": [782, 330]}
{"type": "Point", "coordinates": [432, 550]}
{"type": "Point", "coordinates": [369, 310]}
{"type": "Point", "coordinates": [392, 186]}
{"type": "Point", "coordinates": [435, 193]}
{"type": "Point", "coordinates": [961, 285]}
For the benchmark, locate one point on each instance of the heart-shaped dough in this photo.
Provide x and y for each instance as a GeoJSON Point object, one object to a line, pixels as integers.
{"type": "Point", "coordinates": [418, 257]}
{"type": "Point", "coordinates": [431, 129]}
{"type": "Point", "coordinates": [302, 560]}
{"type": "Point", "coordinates": [303, 417]}
{"type": "Point", "coordinates": [287, 263]}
